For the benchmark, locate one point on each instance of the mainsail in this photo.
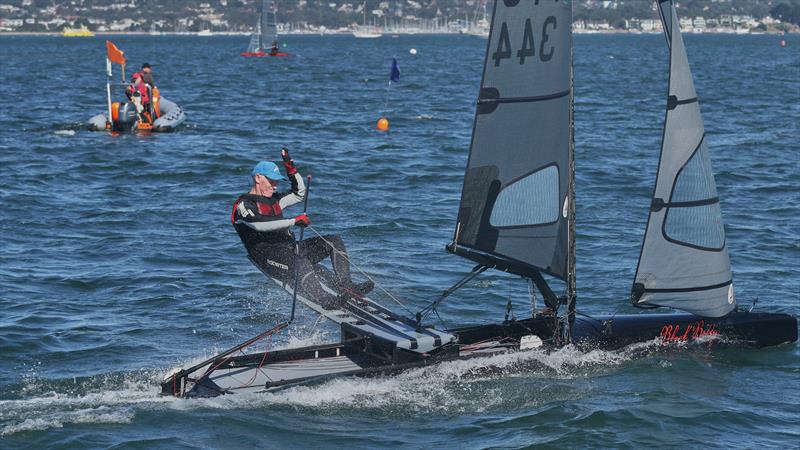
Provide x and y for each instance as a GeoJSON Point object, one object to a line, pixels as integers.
{"type": "Point", "coordinates": [684, 260]}
{"type": "Point", "coordinates": [515, 202]}
{"type": "Point", "coordinates": [266, 28]}
{"type": "Point", "coordinates": [269, 27]}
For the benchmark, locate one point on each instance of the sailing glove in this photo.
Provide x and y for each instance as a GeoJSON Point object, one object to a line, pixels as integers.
{"type": "Point", "coordinates": [302, 221]}
{"type": "Point", "coordinates": [287, 162]}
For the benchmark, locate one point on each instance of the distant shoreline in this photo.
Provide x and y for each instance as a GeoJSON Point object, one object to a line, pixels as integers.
{"type": "Point", "coordinates": [348, 33]}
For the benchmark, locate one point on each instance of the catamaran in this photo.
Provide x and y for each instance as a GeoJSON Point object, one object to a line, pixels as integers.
{"type": "Point", "coordinates": [517, 215]}
{"type": "Point", "coordinates": [264, 41]}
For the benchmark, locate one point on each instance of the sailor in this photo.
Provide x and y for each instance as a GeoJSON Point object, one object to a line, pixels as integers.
{"type": "Point", "coordinates": [274, 49]}
{"type": "Point", "coordinates": [137, 93]}
{"type": "Point", "coordinates": [147, 75]}
{"type": "Point", "coordinates": [267, 235]}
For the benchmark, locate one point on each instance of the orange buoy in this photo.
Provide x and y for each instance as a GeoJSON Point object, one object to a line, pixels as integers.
{"type": "Point", "coordinates": [383, 124]}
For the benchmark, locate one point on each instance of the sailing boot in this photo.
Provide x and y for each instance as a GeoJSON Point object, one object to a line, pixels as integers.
{"type": "Point", "coordinates": [357, 289]}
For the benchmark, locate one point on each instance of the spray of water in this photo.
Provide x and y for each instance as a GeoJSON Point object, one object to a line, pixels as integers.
{"type": "Point", "coordinates": [454, 387]}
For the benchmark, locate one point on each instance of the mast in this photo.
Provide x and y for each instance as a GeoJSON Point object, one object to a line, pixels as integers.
{"type": "Point", "coordinates": [259, 32]}
{"type": "Point", "coordinates": [571, 295]}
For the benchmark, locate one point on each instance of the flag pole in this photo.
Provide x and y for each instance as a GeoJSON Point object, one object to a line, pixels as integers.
{"type": "Point", "coordinates": [110, 121]}
{"type": "Point", "coordinates": [113, 55]}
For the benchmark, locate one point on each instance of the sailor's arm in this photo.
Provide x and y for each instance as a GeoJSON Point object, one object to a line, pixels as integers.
{"type": "Point", "coordinates": [298, 192]}
{"type": "Point", "coordinates": [271, 225]}
{"type": "Point", "coordinates": [245, 212]}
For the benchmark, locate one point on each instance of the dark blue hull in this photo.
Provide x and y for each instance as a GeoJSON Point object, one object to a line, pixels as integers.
{"type": "Point", "coordinates": [365, 354]}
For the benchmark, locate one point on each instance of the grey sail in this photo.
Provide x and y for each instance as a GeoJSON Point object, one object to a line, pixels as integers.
{"type": "Point", "coordinates": [269, 27]}
{"type": "Point", "coordinates": [514, 202]}
{"type": "Point", "coordinates": [684, 260]}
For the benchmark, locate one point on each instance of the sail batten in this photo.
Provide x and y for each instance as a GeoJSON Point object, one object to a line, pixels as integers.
{"type": "Point", "coordinates": [525, 99]}
{"type": "Point", "coordinates": [514, 203]}
{"type": "Point", "coordinates": [684, 261]}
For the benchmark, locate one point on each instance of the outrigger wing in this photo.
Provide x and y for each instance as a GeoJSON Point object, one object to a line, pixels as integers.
{"type": "Point", "coordinates": [373, 338]}
{"type": "Point", "coordinates": [367, 316]}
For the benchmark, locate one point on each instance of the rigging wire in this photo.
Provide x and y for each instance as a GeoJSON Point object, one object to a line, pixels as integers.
{"type": "Point", "coordinates": [352, 264]}
{"type": "Point", "coordinates": [424, 312]}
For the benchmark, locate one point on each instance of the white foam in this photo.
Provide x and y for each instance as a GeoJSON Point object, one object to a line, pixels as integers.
{"type": "Point", "coordinates": [65, 132]}
{"type": "Point", "coordinates": [54, 409]}
{"type": "Point", "coordinates": [461, 386]}
{"type": "Point", "coordinates": [58, 419]}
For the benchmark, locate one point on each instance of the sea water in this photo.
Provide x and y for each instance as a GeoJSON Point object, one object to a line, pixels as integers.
{"type": "Point", "coordinates": [118, 262]}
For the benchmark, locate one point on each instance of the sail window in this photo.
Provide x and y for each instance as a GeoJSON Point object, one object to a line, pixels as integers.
{"type": "Point", "coordinates": [530, 200]}
{"type": "Point", "coordinates": [693, 216]}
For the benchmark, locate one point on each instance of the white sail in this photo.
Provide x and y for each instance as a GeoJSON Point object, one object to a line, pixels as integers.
{"type": "Point", "coordinates": [255, 40]}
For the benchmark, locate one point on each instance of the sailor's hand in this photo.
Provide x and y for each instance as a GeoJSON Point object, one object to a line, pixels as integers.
{"type": "Point", "coordinates": [287, 162]}
{"type": "Point", "coordinates": [302, 221]}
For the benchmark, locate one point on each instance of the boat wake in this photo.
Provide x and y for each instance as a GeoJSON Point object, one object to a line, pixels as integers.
{"type": "Point", "coordinates": [459, 386]}
{"type": "Point", "coordinates": [59, 403]}
{"type": "Point", "coordinates": [454, 387]}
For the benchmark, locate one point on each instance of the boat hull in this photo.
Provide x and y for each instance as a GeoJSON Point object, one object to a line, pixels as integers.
{"type": "Point", "coordinates": [170, 118]}
{"type": "Point", "coordinates": [265, 54]}
{"type": "Point", "coordinates": [362, 354]}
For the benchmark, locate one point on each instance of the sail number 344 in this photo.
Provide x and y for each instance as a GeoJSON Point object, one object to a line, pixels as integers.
{"type": "Point", "coordinates": [528, 48]}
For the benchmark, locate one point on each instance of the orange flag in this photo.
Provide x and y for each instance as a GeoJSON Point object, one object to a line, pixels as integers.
{"type": "Point", "coordinates": [114, 54]}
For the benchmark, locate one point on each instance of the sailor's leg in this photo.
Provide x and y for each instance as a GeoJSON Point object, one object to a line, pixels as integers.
{"type": "Point", "coordinates": [277, 260]}
{"type": "Point", "coordinates": [318, 248]}
{"type": "Point", "coordinates": [315, 249]}
{"type": "Point", "coordinates": [311, 288]}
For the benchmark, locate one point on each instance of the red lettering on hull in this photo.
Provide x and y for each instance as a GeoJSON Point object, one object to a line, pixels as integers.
{"type": "Point", "coordinates": [692, 331]}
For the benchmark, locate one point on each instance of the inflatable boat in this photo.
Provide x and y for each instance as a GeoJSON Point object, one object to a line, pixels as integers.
{"type": "Point", "coordinates": [158, 115]}
{"type": "Point", "coordinates": [167, 117]}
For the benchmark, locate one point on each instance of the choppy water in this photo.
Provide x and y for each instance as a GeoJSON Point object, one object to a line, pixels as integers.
{"type": "Point", "coordinates": [118, 262]}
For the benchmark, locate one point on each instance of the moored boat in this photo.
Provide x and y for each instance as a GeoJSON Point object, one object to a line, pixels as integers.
{"type": "Point", "coordinates": [365, 31]}
{"type": "Point", "coordinates": [77, 32]}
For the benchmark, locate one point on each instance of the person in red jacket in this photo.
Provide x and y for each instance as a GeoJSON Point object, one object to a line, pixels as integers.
{"type": "Point", "coordinates": [138, 94]}
{"type": "Point", "coordinates": [258, 218]}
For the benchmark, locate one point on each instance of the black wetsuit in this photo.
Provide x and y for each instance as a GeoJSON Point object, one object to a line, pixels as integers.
{"type": "Point", "coordinates": [270, 243]}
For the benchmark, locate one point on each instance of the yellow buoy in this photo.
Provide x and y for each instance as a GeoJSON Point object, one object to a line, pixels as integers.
{"type": "Point", "coordinates": [383, 124]}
